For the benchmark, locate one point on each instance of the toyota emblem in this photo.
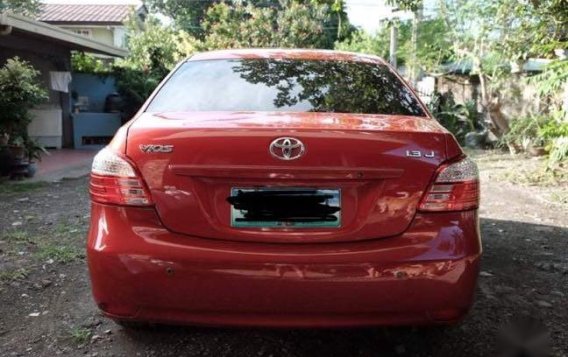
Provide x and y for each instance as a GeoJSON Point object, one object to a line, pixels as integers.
{"type": "Point", "coordinates": [287, 148]}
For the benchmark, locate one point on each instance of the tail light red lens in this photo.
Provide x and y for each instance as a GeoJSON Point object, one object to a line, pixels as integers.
{"type": "Point", "coordinates": [114, 180]}
{"type": "Point", "coordinates": [456, 188]}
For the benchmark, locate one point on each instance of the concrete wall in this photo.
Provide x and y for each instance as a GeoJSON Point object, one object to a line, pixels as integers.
{"type": "Point", "coordinates": [517, 98]}
{"type": "Point", "coordinates": [92, 128]}
{"type": "Point", "coordinates": [95, 88]}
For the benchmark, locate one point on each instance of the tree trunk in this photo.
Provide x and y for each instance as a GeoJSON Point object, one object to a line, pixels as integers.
{"type": "Point", "coordinates": [414, 43]}
{"type": "Point", "coordinates": [498, 124]}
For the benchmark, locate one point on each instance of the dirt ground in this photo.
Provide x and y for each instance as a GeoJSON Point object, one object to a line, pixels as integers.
{"type": "Point", "coordinates": [46, 307]}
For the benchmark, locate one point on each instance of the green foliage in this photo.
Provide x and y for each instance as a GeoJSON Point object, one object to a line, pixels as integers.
{"type": "Point", "coordinates": [548, 131]}
{"type": "Point", "coordinates": [14, 188]}
{"type": "Point", "coordinates": [154, 50]}
{"type": "Point", "coordinates": [459, 119]}
{"type": "Point", "coordinates": [80, 335]}
{"type": "Point", "coordinates": [20, 90]}
{"type": "Point", "coordinates": [554, 129]}
{"type": "Point", "coordinates": [21, 7]}
{"type": "Point", "coordinates": [195, 19]}
{"type": "Point", "coordinates": [524, 131]}
{"type": "Point", "coordinates": [135, 86]}
{"type": "Point", "coordinates": [12, 275]}
{"type": "Point", "coordinates": [558, 153]}
{"type": "Point", "coordinates": [433, 44]}
{"type": "Point", "coordinates": [187, 15]}
{"type": "Point", "coordinates": [82, 62]}
{"type": "Point", "coordinates": [363, 42]}
{"type": "Point", "coordinates": [155, 47]}
{"type": "Point", "coordinates": [238, 26]}
{"type": "Point", "coordinates": [530, 28]}
{"type": "Point", "coordinates": [555, 134]}
{"type": "Point", "coordinates": [552, 79]}
{"type": "Point", "coordinates": [59, 253]}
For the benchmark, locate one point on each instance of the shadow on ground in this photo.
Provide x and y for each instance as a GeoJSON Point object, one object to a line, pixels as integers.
{"type": "Point", "coordinates": [520, 300]}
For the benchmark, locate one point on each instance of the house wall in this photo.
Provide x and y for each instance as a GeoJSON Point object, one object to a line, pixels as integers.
{"type": "Point", "coordinates": [110, 35]}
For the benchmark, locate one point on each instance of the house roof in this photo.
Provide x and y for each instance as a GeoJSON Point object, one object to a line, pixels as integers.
{"type": "Point", "coordinates": [85, 13]}
{"type": "Point", "coordinates": [16, 25]}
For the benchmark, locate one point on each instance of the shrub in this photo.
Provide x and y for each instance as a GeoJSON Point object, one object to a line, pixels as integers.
{"type": "Point", "coordinates": [20, 91]}
{"type": "Point", "coordinates": [459, 119]}
{"type": "Point", "coordinates": [524, 132]}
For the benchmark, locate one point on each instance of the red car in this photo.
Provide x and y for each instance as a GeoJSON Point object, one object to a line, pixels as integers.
{"type": "Point", "coordinates": [297, 188]}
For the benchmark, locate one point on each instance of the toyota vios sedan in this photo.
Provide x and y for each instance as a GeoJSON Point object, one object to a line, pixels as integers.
{"type": "Point", "coordinates": [295, 188]}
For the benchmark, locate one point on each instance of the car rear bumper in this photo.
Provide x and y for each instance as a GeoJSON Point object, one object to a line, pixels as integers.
{"type": "Point", "coordinates": [141, 271]}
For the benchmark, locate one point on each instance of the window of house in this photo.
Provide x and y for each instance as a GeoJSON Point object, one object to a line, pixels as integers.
{"type": "Point", "coordinates": [84, 32]}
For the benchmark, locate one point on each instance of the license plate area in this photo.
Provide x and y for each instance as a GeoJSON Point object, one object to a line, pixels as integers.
{"type": "Point", "coordinates": [285, 207]}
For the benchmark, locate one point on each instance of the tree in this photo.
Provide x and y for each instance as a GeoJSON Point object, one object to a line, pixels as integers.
{"type": "Point", "coordinates": [21, 7]}
{"type": "Point", "coordinates": [238, 26]}
{"type": "Point", "coordinates": [193, 16]}
{"type": "Point", "coordinates": [187, 14]}
{"type": "Point", "coordinates": [416, 7]}
{"type": "Point", "coordinates": [492, 34]}
{"type": "Point", "coordinates": [154, 50]}
{"type": "Point", "coordinates": [433, 45]}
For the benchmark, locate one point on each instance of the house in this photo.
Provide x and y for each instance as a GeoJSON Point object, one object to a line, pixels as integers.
{"type": "Point", "coordinates": [104, 23]}
{"type": "Point", "coordinates": [48, 48]}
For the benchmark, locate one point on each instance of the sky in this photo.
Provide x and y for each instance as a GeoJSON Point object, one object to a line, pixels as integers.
{"type": "Point", "coordinates": [366, 14]}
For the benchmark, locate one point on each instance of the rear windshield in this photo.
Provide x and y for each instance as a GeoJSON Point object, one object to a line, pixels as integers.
{"type": "Point", "coordinates": [285, 85]}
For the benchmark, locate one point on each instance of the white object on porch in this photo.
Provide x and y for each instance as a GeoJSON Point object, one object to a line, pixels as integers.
{"type": "Point", "coordinates": [47, 126]}
{"type": "Point", "coordinates": [59, 81]}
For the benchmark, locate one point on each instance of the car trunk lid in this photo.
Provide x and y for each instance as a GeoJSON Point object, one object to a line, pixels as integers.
{"type": "Point", "coordinates": [380, 165]}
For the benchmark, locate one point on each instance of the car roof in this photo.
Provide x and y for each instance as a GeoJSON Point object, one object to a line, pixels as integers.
{"type": "Point", "coordinates": [279, 53]}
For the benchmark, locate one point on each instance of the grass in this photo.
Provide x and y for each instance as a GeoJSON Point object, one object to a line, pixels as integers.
{"type": "Point", "coordinates": [519, 169]}
{"type": "Point", "coordinates": [18, 236]}
{"type": "Point", "coordinates": [62, 243]}
{"type": "Point", "coordinates": [80, 335]}
{"type": "Point", "coordinates": [524, 170]}
{"type": "Point", "coordinates": [59, 253]}
{"type": "Point", "coordinates": [12, 188]}
{"type": "Point", "coordinates": [11, 275]}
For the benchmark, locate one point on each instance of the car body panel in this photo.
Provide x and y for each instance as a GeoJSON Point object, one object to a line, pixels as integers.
{"type": "Point", "coordinates": [365, 156]}
{"type": "Point", "coordinates": [142, 271]}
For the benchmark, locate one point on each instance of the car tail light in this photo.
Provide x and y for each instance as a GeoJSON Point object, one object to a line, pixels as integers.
{"type": "Point", "coordinates": [115, 180]}
{"type": "Point", "coordinates": [455, 188]}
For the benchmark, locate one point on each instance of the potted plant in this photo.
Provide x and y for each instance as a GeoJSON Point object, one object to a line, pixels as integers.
{"type": "Point", "coordinates": [20, 91]}
{"type": "Point", "coordinates": [34, 152]}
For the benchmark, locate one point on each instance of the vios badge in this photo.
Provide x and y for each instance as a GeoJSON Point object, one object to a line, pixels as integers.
{"type": "Point", "coordinates": [151, 148]}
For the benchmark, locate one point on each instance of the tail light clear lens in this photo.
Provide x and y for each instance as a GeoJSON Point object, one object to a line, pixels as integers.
{"type": "Point", "coordinates": [456, 188]}
{"type": "Point", "coordinates": [114, 180]}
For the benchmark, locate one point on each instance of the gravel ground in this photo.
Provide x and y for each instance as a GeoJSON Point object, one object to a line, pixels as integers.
{"type": "Point", "coordinates": [46, 307]}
